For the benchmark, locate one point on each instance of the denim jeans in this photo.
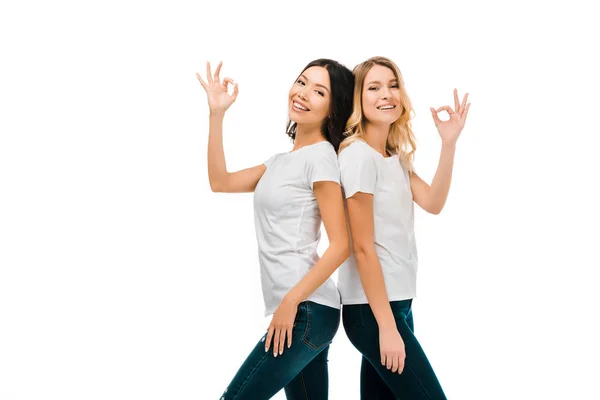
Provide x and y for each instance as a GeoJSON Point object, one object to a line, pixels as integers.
{"type": "Point", "coordinates": [301, 370]}
{"type": "Point", "coordinates": [417, 380]}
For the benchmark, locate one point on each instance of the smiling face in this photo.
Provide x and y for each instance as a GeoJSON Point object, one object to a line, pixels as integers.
{"type": "Point", "coordinates": [381, 101]}
{"type": "Point", "coordinates": [310, 97]}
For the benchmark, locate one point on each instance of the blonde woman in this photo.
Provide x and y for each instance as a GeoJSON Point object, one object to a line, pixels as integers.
{"type": "Point", "coordinates": [378, 281]}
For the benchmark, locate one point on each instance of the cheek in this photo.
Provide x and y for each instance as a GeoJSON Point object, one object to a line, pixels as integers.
{"type": "Point", "coordinates": [370, 98]}
{"type": "Point", "coordinates": [368, 104]}
{"type": "Point", "coordinates": [322, 105]}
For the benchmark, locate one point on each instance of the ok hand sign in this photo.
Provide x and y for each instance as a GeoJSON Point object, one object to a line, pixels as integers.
{"type": "Point", "coordinates": [219, 99]}
{"type": "Point", "coordinates": [450, 130]}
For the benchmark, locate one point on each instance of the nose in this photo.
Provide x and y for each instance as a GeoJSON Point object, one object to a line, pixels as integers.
{"type": "Point", "coordinates": [385, 93]}
{"type": "Point", "coordinates": [302, 95]}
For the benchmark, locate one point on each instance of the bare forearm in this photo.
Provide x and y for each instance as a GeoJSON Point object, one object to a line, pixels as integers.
{"type": "Point", "coordinates": [217, 169]}
{"type": "Point", "coordinates": [371, 277]}
{"type": "Point", "coordinates": [332, 258]}
{"type": "Point", "coordinates": [440, 186]}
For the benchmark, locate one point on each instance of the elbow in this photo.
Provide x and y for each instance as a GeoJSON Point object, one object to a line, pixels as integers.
{"type": "Point", "coordinates": [215, 188]}
{"type": "Point", "coordinates": [341, 248]}
{"type": "Point", "coordinates": [345, 250]}
{"type": "Point", "coordinates": [217, 185]}
{"type": "Point", "coordinates": [363, 250]}
{"type": "Point", "coordinates": [435, 209]}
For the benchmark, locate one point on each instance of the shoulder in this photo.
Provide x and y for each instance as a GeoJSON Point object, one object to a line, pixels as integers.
{"type": "Point", "coordinates": [357, 150]}
{"type": "Point", "coordinates": [270, 161]}
{"type": "Point", "coordinates": [323, 150]}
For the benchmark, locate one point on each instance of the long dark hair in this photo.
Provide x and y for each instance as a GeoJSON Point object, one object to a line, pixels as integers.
{"type": "Point", "coordinates": [342, 87]}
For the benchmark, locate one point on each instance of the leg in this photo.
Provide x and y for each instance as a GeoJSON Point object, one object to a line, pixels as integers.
{"type": "Point", "coordinates": [418, 380]}
{"type": "Point", "coordinates": [371, 384]}
{"type": "Point", "coordinates": [261, 376]}
{"type": "Point", "coordinates": [312, 382]}
{"type": "Point", "coordinates": [409, 320]}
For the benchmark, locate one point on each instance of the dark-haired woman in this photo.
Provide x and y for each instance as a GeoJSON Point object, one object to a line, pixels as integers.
{"type": "Point", "coordinates": [293, 193]}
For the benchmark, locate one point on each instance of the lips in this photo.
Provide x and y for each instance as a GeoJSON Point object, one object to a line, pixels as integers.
{"type": "Point", "coordinates": [299, 106]}
{"type": "Point", "coordinates": [386, 107]}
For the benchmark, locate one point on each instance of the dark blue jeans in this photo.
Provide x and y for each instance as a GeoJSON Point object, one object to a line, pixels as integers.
{"type": "Point", "coordinates": [301, 370]}
{"type": "Point", "coordinates": [417, 380]}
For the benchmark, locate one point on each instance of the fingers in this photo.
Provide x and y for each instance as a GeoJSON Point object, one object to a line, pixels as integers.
{"type": "Point", "coordinates": [201, 80]}
{"type": "Point", "coordinates": [395, 361]}
{"type": "Point", "coordinates": [464, 116]}
{"type": "Point", "coordinates": [217, 79]}
{"type": "Point", "coordinates": [235, 93]}
{"type": "Point", "coordinates": [448, 109]}
{"type": "Point", "coordinates": [401, 360]}
{"type": "Point", "coordinates": [456, 103]}
{"type": "Point", "coordinates": [436, 119]}
{"type": "Point", "coordinates": [463, 105]}
{"type": "Point", "coordinates": [389, 360]}
{"type": "Point", "coordinates": [289, 336]}
{"type": "Point", "coordinates": [282, 341]}
{"type": "Point", "coordinates": [208, 73]}
{"type": "Point", "coordinates": [226, 83]}
{"type": "Point", "coordinates": [269, 337]}
{"type": "Point", "coordinates": [276, 342]}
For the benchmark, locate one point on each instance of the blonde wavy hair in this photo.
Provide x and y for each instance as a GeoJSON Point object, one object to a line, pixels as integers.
{"type": "Point", "coordinates": [401, 139]}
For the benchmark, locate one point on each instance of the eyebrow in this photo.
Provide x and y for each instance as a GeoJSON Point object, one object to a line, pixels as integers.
{"type": "Point", "coordinates": [391, 80]}
{"type": "Point", "coordinates": [316, 84]}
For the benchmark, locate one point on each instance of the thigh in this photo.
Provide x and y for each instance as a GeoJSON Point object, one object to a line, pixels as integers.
{"type": "Point", "coordinates": [410, 321]}
{"type": "Point", "coordinates": [312, 382]}
{"type": "Point", "coordinates": [262, 375]}
{"type": "Point", "coordinates": [418, 380]}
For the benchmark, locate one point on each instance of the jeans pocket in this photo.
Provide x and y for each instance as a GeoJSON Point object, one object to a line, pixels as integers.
{"type": "Point", "coordinates": [322, 323]}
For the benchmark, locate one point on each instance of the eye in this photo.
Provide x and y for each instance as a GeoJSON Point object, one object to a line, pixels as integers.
{"type": "Point", "coordinates": [301, 82]}
{"type": "Point", "coordinates": [373, 88]}
{"type": "Point", "coordinates": [395, 86]}
{"type": "Point", "coordinates": [320, 93]}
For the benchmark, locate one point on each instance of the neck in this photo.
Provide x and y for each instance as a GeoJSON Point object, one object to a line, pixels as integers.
{"type": "Point", "coordinates": [307, 135]}
{"type": "Point", "coordinates": [376, 136]}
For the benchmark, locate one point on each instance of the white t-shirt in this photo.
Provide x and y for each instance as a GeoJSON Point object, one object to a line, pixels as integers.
{"type": "Point", "coordinates": [365, 170]}
{"type": "Point", "coordinates": [288, 222]}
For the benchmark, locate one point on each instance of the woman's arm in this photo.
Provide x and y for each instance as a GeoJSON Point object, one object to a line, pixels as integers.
{"type": "Point", "coordinates": [219, 100]}
{"type": "Point", "coordinates": [361, 219]}
{"type": "Point", "coordinates": [432, 198]}
{"type": "Point", "coordinates": [331, 205]}
{"type": "Point", "coordinates": [220, 179]}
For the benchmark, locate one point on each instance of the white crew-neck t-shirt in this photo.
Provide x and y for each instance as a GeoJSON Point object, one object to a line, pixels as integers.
{"type": "Point", "coordinates": [288, 222]}
{"type": "Point", "coordinates": [365, 170]}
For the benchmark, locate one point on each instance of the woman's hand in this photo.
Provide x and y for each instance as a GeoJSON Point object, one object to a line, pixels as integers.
{"type": "Point", "coordinates": [219, 99]}
{"type": "Point", "coordinates": [451, 129]}
{"type": "Point", "coordinates": [391, 347]}
{"type": "Point", "coordinates": [281, 325]}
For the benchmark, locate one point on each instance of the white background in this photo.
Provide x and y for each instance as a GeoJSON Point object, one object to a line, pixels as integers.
{"type": "Point", "coordinates": [122, 276]}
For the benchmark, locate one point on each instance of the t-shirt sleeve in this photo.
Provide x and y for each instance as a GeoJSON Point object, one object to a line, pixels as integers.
{"type": "Point", "coordinates": [358, 170]}
{"type": "Point", "coordinates": [323, 167]}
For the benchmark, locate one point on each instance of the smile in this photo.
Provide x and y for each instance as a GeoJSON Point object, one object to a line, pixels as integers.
{"type": "Point", "coordinates": [300, 107]}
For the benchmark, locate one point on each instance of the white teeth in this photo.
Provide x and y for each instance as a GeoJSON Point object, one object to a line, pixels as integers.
{"type": "Point", "coordinates": [300, 107]}
{"type": "Point", "coordinates": [386, 107]}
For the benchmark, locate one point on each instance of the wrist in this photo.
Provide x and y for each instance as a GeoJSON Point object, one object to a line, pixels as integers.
{"type": "Point", "coordinates": [217, 113]}
{"type": "Point", "coordinates": [449, 144]}
{"type": "Point", "coordinates": [387, 324]}
{"type": "Point", "coordinates": [291, 299]}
